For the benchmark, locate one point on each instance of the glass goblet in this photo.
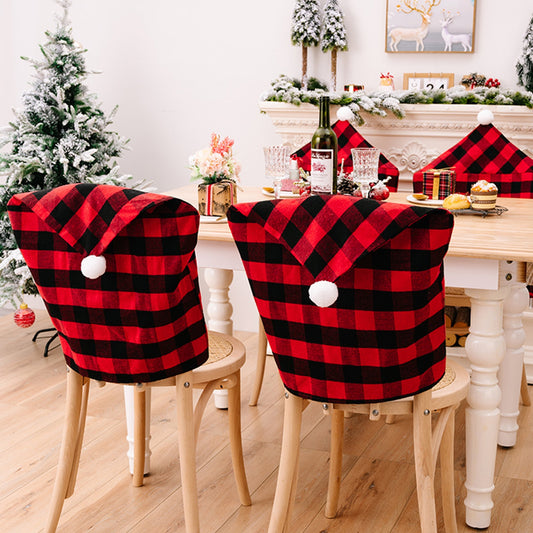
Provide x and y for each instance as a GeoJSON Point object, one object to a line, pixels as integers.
{"type": "Point", "coordinates": [365, 168]}
{"type": "Point", "coordinates": [276, 165]}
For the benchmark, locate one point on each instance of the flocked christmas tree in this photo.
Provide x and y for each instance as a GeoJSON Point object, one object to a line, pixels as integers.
{"type": "Point", "coordinates": [59, 136]}
{"type": "Point", "coordinates": [305, 30]}
{"type": "Point", "coordinates": [524, 65]}
{"type": "Point", "coordinates": [333, 36]}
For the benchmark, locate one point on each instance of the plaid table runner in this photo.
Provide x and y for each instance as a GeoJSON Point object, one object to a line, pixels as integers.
{"type": "Point", "coordinates": [142, 319]}
{"type": "Point", "coordinates": [485, 153]}
{"type": "Point", "coordinates": [384, 337]}
{"type": "Point", "coordinates": [349, 138]}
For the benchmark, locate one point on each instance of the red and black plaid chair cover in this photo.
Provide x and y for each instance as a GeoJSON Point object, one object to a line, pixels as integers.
{"type": "Point", "coordinates": [384, 337]}
{"type": "Point", "coordinates": [485, 153]}
{"type": "Point", "coordinates": [142, 319]}
{"type": "Point", "coordinates": [349, 138]}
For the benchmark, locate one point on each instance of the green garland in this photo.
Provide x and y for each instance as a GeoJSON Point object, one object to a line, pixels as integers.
{"type": "Point", "coordinates": [289, 90]}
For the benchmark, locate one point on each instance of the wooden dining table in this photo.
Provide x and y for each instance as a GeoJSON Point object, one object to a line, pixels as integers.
{"type": "Point", "coordinates": [487, 258]}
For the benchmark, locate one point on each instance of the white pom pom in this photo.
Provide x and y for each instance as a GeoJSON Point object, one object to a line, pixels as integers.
{"type": "Point", "coordinates": [345, 113]}
{"type": "Point", "coordinates": [323, 293]}
{"type": "Point", "coordinates": [485, 116]}
{"type": "Point", "coordinates": [93, 266]}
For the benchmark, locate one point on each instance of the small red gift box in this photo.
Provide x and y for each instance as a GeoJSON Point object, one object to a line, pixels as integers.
{"type": "Point", "coordinates": [439, 182]}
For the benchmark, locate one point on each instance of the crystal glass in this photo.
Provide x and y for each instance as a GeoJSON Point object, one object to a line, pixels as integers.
{"type": "Point", "coordinates": [276, 165]}
{"type": "Point", "coordinates": [365, 168]}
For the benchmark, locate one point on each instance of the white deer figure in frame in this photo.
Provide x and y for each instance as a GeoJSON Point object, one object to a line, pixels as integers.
{"type": "Point", "coordinates": [452, 38]}
{"type": "Point", "coordinates": [413, 34]}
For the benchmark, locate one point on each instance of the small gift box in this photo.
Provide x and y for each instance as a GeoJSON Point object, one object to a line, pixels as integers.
{"type": "Point", "coordinates": [216, 198]}
{"type": "Point", "coordinates": [439, 182]}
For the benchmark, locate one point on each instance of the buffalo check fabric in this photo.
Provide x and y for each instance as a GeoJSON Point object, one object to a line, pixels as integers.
{"type": "Point", "coordinates": [485, 153]}
{"type": "Point", "coordinates": [349, 138]}
{"type": "Point", "coordinates": [142, 320]}
{"type": "Point", "coordinates": [384, 337]}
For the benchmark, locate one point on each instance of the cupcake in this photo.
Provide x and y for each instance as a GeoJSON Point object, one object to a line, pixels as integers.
{"type": "Point", "coordinates": [483, 195]}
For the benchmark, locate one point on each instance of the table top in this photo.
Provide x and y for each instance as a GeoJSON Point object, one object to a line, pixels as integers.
{"type": "Point", "coordinates": [508, 236]}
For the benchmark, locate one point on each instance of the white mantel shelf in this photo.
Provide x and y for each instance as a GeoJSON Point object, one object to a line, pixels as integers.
{"type": "Point", "coordinates": [412, 142]}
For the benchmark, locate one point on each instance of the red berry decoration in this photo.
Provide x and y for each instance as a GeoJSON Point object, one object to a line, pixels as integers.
{"type": "Point", "coordinates": [24, 317]}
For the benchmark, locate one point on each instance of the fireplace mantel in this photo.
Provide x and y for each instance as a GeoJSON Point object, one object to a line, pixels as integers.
{"type": "Point", "coordinates": [414, 141]}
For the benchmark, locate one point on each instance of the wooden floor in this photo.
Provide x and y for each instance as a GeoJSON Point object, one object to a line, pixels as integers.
{"type": "Point", "coordinates": [377, 495]}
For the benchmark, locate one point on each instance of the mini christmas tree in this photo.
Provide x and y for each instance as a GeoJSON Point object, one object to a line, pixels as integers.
{"type": "Point", "coordinates": [305, 29]}
{"type": "Point", "coordinates": [333, 36]}
{"type": "Point", "coordinates": [60, 136]}
{"type": "Point", "coordinates": [524, 65]}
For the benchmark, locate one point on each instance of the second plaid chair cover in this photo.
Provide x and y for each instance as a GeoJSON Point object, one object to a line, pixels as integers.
{"type": "Point", "coordinates": [142, 319]}
{"type": "Point", "coordinates": [384, 337]}
{"type": "Point", "coordinates": [485, 153]}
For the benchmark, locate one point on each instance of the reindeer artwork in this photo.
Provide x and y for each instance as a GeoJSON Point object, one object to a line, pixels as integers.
{"type": "Point", "coordinates": [452, 38]}
{"type": "Point", "coordinates": [413, 34]}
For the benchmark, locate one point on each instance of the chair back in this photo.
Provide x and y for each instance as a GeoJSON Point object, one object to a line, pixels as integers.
{"type": "Point", "coordinates": [117, 272]}
{"type": "Point", "coordinates": [350, 292]}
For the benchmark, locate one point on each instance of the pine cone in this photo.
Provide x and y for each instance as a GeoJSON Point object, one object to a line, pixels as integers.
{"type": "Point", "coordinates": [345, 186]}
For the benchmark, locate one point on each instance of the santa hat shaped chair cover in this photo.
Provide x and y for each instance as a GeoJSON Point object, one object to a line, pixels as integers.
{"type": "Point", "coordinates": [350, 292]}
{"type": "Point", "coordinates": [485, 153]}
{"type": "Point", "coordinates": [349, 138]}
{"type": "Point", "coordinates": [117, 272]}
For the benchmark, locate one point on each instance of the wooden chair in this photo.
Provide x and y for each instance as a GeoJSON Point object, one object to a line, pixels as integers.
{"type": "Point", "coordinates": [117, 272]}
{"type": "Point", "coordinates": [351, 295]}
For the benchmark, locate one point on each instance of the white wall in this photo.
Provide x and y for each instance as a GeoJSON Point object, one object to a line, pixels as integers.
{"type": "Point", "coordinates": [180, 70]}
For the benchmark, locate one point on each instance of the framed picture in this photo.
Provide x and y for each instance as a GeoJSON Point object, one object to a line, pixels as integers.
{"type": "Point", "coordinates": [418, 81]}
{"type": "Point", "coordinates": [430, 26]}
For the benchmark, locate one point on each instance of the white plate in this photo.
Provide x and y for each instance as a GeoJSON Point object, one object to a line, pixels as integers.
{"type": "Point", "coordinates": [282, 194]}
{"type": "Point", "coordinates": [215, 219]}
{"type": "Point", "coordinates": [428, 203]}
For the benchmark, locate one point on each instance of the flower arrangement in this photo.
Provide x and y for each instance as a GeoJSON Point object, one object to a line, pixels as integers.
{"type": "Point", "coordinates": [215, 163]}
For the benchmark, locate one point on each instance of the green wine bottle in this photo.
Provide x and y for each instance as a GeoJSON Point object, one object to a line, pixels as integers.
{"type": "Point", "coordinates": [324, 146]}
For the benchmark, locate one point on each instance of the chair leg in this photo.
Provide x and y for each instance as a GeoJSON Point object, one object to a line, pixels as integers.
{"type": "Point", "coordinates": [447, 474]}
{"type": "Point", "coordinates": [335, 464]}
{"type": "Point", "coordinates": [524, 391]}
{"type": "Point", "coordinates": [79, 441]}
{"type": "Point", "coordinates": [424, 464]}
{"type": "Point", "coordinates": [67, 454]}
{"type": "Point", "coordinates": [139, 433]}
{"type": "Point", "coordinates": [288, 464]}
{"type": "Point", "coordinates": [234, 419]}
{"type": "Point", "coordinates": [187, 451]}
{"type": "Point", "coordinates": [260, 365]}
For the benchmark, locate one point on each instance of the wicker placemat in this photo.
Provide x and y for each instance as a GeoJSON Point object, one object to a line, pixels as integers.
{"type": "Point", "coordinates": [449, 377]}
{"type": "Point", "coordinates": [219, 347]}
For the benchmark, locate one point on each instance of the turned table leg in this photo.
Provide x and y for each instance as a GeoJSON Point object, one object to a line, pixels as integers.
{"type": "Point", "coordinates": [485, 348]}
{"type": "Point", "coordinates": [219, 313]}
{"type": "Point", "coordinates": [510, 374]}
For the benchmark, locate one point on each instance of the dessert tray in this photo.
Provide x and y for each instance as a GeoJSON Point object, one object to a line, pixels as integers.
{"type": "Point", "coordinates": [498, 210]}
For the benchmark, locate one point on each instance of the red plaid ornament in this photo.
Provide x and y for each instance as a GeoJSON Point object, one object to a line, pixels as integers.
{"type": "Point", "coordinates": [383, 335]}
{"type": "Point", "coordinates": [141, 319]}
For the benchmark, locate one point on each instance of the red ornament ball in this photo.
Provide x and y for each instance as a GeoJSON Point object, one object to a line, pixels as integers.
{"type": "Point", "coordinates": [24, 317]}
